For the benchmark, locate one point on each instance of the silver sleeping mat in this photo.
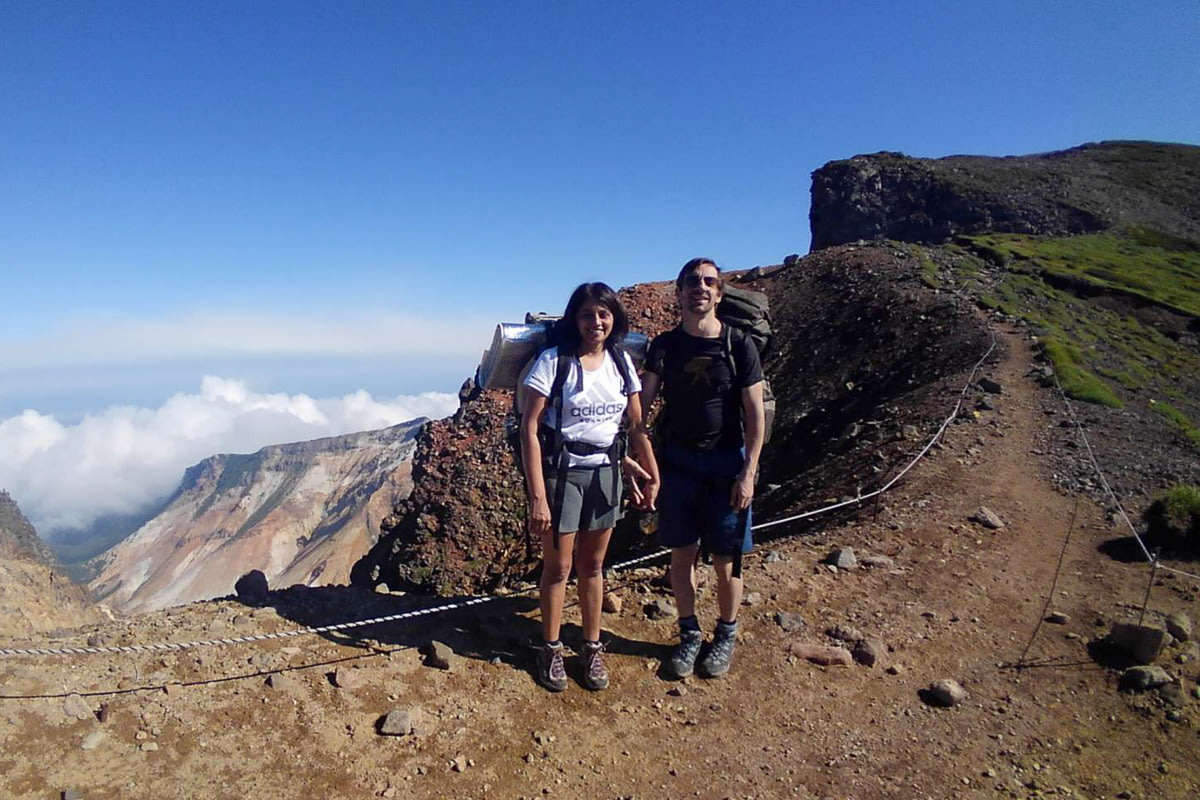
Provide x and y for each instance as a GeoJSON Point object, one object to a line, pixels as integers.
{"type": "Point", "coordinates": [514, 344]}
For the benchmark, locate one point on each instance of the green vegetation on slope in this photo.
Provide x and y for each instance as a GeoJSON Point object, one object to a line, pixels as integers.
{"type": "Point", "coordinates": [1141, 263]}
{"type": "Point", "coordinates": [1116, 312]}
{"type": "Point", "coordinates": [1176, 513]}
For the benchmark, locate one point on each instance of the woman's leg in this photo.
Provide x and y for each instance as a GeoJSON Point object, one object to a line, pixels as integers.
{"type": "Point", "coordinates": [556, 568]}
{"type": "Point", "coordinates": [589, 567]}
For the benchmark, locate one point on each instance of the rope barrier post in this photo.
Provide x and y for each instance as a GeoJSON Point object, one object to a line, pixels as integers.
{"type": "Point", "coordinates": [1149, 586]}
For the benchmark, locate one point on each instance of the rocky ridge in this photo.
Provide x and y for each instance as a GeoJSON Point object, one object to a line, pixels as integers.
{"type": "Point", "coordinates": [35, 595]}
{"type": "Point", "coordinates": [18, 538]}
{"type": "Point", "coordinates": [1092, 187]}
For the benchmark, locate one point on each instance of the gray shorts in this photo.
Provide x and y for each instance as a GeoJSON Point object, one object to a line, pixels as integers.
{"type": "Point", "coordinates": [586, 505]}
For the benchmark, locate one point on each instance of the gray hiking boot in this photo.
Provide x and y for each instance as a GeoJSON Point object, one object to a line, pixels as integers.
{"type": "Point", "coordinates": [595, 674]}
{"type": "Point", "coordinates": [683, 659]}
{"type": "Point", "coordinates": [719, 655]}
{"type": "Point", "coordinates": [550, 670]}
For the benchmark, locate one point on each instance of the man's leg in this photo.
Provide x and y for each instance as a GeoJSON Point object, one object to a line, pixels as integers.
{"type": "Point", "coordinates": [729, 588]}
{"type": "Point", "coordinates": [683, 579]}
{"type": "Point", "coordinates": [734, 538]}
{"type": "Point", "coordinates": [683, 584]}
{"type": "Point", "coordinates": [719, 655]}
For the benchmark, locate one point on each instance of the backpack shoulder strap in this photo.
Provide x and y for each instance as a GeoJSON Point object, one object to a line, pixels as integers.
{"type": "Point", "coordinates": [618, 356]}
{"type": "Point", "coordinates": [562, 368]}
{"type": "Point", "coordinates": [727, 349]}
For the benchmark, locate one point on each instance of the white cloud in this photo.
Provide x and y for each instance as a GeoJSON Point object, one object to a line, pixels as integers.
{"type": "Point", "coordinates": [124, 458]}
{"type": "Point", "coordinates": [202, 334]}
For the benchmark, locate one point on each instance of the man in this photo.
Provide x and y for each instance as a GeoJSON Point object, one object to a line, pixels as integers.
{"type": "Point", "coordinates": [711, 434]}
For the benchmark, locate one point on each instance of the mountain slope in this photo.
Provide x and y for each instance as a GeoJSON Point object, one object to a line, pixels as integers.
{"type": "Point", "coordinates": [18, 539]}
{"type": "Point", "coordinates": [34, 594]}
{"type": "Point", "coordinates": [301, 513]}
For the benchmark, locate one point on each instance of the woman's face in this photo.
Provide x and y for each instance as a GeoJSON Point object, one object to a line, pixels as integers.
{"type": "Point", "coordinates": [595, 322]}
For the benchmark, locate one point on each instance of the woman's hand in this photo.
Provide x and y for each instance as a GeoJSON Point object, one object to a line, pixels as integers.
{"type": "Point", "coordinates": [539, 516]}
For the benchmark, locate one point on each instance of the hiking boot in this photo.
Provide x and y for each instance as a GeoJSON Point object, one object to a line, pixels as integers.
{"type": "Point", "coordinates": [550, 670]}
{"type": "Point", "coordinates": [595, 674]}
{"type": "Point", "coordinates": [683, 659]}
{"type": "Point", "coordinates": [719, 655]}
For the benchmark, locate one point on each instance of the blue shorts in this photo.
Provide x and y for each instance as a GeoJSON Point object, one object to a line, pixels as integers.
{"type": "Point", "coordinates": [693, 503]}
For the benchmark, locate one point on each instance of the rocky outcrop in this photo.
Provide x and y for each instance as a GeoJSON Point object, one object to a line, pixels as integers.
{"type": "Point", "coordinates": [861, 348]}
{"type": "Point", "coordinates": [18, 539]}
{"type": "Point", "coordinates": [35, 595]}
{"type": "Point", "coordinates": [1088, 188]}
{"type": "Point", "coordinates": [300, 513]}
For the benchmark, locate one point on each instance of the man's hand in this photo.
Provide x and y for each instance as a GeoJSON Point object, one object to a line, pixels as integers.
{"type": "Point", "coordinates": [539, 516]}
{"type": "Point", "coordinates": [743, 491]}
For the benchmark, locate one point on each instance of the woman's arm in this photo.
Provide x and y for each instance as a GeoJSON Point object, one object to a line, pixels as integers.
{"type": "Point", "coordinates": [531, 457]}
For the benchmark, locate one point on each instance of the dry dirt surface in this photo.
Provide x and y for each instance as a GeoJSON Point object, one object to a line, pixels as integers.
{"type": "Point", "coordinates": [299, 717]}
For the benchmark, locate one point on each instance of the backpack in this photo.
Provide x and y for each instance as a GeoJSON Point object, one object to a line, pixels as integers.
{"type": "Point", "coordinates": [749, 311]}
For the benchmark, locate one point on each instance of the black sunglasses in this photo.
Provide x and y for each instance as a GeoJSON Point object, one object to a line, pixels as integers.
{"type": "Point", "coordinates": [692, 280]}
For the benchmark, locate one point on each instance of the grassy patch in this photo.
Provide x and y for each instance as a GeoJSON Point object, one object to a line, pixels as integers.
{"type": "Point", "coordinates": [1179, 420]}
{"type": "Point", "coordinates": [1176, 513]}
{"type": "Point", "coordinates": [1141, 262]}
{"type": "Point", "coordinates": [929, 269]}
{"type": "Point", "coordinates": [1123, 378]}
{"type": "Point", "coordinates": [1076, 381]}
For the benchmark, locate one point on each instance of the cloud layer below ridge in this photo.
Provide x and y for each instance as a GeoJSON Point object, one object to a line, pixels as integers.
{"type": "Point", "coordinates": [124, 458]}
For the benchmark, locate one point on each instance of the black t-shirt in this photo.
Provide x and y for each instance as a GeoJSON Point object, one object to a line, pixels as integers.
{"type": "Point", "coordinates": [703, 398]}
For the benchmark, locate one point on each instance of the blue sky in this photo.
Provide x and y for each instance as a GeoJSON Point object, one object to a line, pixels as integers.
{"type": "Point", "coordinates": [329, 197]}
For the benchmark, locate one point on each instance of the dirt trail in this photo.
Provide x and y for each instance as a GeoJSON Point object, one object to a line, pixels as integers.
{"type": "Point", "coordinates": [960, 602]}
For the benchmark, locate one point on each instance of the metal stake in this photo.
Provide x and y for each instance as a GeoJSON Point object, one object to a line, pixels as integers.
{"type": "Point", "coordinates": [1149, 586]}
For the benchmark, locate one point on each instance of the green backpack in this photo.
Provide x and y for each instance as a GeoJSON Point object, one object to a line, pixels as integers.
{"type": "Point", "coordinates": [749, 311]}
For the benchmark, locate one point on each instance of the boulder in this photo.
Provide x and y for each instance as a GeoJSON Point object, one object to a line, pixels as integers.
{"type": "Point", "coordinates": [1142, 643]}
{"type": "Point", "coordinates": [1143, 678]}
{"type": "Point", "coordinates": [399, 722]}
{"type": "Point", "coordinates": [824, 655]}
{"type": "Point", "coordinates": [438, 655]}
{"type": "Point", "coordinates": [1180, 626]}
{"type": "Point", "coordinates": [252, 588]}
{"type": "Point", "coordinates": [947, 692]}
{"type": "Point", "coordinates": [842, 558]}
{"type": "Point", "coordinates": [867, 652]}
{"type": "Point", "coordinates": [789, 622]}
{"type": "Point", "coordinates": [987, 518]}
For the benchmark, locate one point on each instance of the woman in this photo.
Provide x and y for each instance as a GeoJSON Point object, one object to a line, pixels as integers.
{"type": "Point", "coordinates": [571, 460]}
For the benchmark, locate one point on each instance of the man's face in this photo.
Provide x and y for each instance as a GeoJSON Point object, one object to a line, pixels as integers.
{"type": "Point", "coordinates": [701, 291]}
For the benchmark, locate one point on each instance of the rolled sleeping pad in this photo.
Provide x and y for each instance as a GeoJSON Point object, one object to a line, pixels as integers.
{"type": "Point", "coordinates": [515, 344]}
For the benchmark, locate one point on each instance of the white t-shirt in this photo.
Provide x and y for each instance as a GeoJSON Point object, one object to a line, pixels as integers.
{"type": "Point", "coordinates": [593, 402]}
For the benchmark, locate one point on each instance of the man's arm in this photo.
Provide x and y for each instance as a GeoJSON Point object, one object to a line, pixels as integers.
{"type": "Point", "coordinates": [755, 425]}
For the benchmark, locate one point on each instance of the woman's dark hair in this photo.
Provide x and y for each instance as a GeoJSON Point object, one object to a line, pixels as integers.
{"type": "Point", "coordinates": [600, 294]}
{"type": "Point", "coordinates": [694, 265]}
